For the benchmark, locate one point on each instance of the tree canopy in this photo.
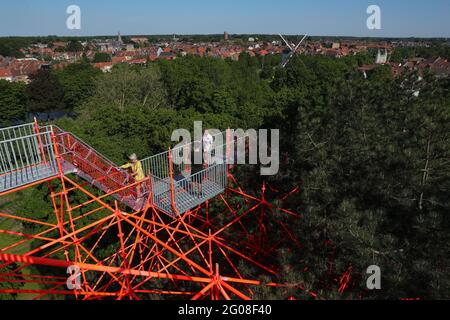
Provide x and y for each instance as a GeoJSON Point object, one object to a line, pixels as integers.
{"type": "Point", "coordinates": [13, 106]}
{"type": "Point", "coordinates": [370, 155]}
{"type": "Point", "coordinates": [45, 92]}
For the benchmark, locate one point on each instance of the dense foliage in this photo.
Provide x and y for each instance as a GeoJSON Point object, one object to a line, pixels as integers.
{"type": "Point", "coordinates": [12, 103]}
{"type": "Point", "coordinates": [371, 155]}
{"type": "Point", "coordinates": [434, 51]}
{"type": "Point", "coordinates": [373, 162]}
{"type": "Point", "coordinates": [101, 57]}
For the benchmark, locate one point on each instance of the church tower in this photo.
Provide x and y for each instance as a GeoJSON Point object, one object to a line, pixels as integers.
{"type": "Point", "coordinates": [382, 58]}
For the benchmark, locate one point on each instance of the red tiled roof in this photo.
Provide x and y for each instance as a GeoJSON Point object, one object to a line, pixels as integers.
{"type": "Point", "coordinates": [101, 65]}
{"type": "Point", "coordinates": [59, 44]}
{"type": "Point", "coordinates": [5, 73]}
{"type": "Point", "coordinates": [118, 59]}
{"type": "Point", "coordinates": [25, 67]}
{"type": "Point", "coordinates": [138, 61]}
{"type": "Point", "coordinates": [367, 67]}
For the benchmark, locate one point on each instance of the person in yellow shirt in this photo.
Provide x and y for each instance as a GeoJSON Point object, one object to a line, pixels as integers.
{"type": "Point", "coordinates": [136, 170]}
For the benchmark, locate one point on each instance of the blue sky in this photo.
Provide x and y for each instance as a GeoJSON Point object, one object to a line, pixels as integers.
{"type": "Point", "coordinates": [400, 18]}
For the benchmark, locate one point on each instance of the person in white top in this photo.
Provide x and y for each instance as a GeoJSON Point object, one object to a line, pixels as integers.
{"type": "Point", "coordinates": [207, 146]}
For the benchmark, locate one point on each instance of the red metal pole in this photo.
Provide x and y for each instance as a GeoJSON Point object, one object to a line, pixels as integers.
{"type": "Point", "coordinates": [57, 156]}
{"type": "Point", "coordinates": [37, 131]}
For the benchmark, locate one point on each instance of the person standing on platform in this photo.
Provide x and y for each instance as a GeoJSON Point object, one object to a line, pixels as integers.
{"type": "Point", "coordinates": [207, 147]}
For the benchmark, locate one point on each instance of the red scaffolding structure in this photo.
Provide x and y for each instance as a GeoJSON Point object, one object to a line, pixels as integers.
{"type": "Point", "coordinates": [119, 253]}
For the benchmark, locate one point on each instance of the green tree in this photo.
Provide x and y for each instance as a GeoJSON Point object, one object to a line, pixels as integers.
{"type": "Point", "coordinates": [78, 82]}
{"type": "Point", "coordinates": [371, 157]}
{"type": "Point", "coordinates": [130, 86]}
{"type": "Point", "coordinates": [101, 57]}
{"type": "Point", "coordinates": [74, 46]}
{"type": "Point", "coordinates": [44, 93]}
{"type": "Point", "coordinates": [9, 285]}
{"type": "Point", "coordinates": [11, 46]}
{"type": "Point", "coordinates": [12, 103]}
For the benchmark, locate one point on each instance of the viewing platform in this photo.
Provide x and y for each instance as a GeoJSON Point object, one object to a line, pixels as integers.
{"type": "Point", "coordinates": [31, 154]}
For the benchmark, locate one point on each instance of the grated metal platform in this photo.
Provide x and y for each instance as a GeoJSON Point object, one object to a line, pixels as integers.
{"type": "Point", "coordinates": [28, 155]}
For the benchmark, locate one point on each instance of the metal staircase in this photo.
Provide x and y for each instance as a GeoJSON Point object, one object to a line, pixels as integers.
{"type": "Point", "coordinates": [30, 154]}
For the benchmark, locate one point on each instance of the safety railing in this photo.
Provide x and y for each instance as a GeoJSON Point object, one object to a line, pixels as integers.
{"type": "Point", "coordinates": [177, 187]}
{"type": "Point", "coordinates": [92, 165]}
{"type": "Point", "coordinates": [26, 155]}
{"type": "Point", "coordinates": [19, 131]}
{"type": "Point", "coordinates": [195, 189]}
{"type": "Point", "coordinates": [161, 194]}
{"type": "Point", "coordinates": [182, 156]}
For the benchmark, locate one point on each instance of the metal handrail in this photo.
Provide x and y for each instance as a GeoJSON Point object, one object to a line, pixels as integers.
{"type": "Point", "coordinates": [172, 196]}
{"type": "Point", "coordinates": [108, 162]}
{"type": "Point", "coordinates": [22, 137]}
{"type": "Point", "coordinates": [85, 144]}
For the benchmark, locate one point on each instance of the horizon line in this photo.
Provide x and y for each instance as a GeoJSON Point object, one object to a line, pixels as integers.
{"type": "Point", "coordinates": [221, 34]}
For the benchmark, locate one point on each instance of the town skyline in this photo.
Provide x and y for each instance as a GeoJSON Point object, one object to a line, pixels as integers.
{"type": "Point", "coordinates": [105, 53]}
{"type": "Point", "coordinates": [400, 19]}
{"type": "Point", "coordinates": [220, 34]}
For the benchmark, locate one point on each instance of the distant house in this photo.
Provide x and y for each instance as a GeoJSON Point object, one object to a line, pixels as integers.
{"type": "Point", "coordinates": [335, 45]}
{"type": "Point", "coordinates": [121, 59]}
{"type": "Point", "coordinates": [167, 56]}
{"type": "Point", "coordinates": [345, 51]}
{"type": "Point", "coordinates": [141, 61]}
{"type": "Point", "coordinates": [334, 53]}
{"type": "Point", "coordinates": [366, 69]}
{"type": "Point", "coordinates": [440, 67]}
{"type": "Point", "coordinates": [201, 51]}
{"type": "Point", "coordinates": [59, 44]}
{"type": "Point", "coordinates": [22, 69]}
{"type": "Point", "coordinates": [104, 66]}
{"type": "Point", "coordinates": [6, 74]}
{"type": "Point", "coordinates": [152, 57]}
